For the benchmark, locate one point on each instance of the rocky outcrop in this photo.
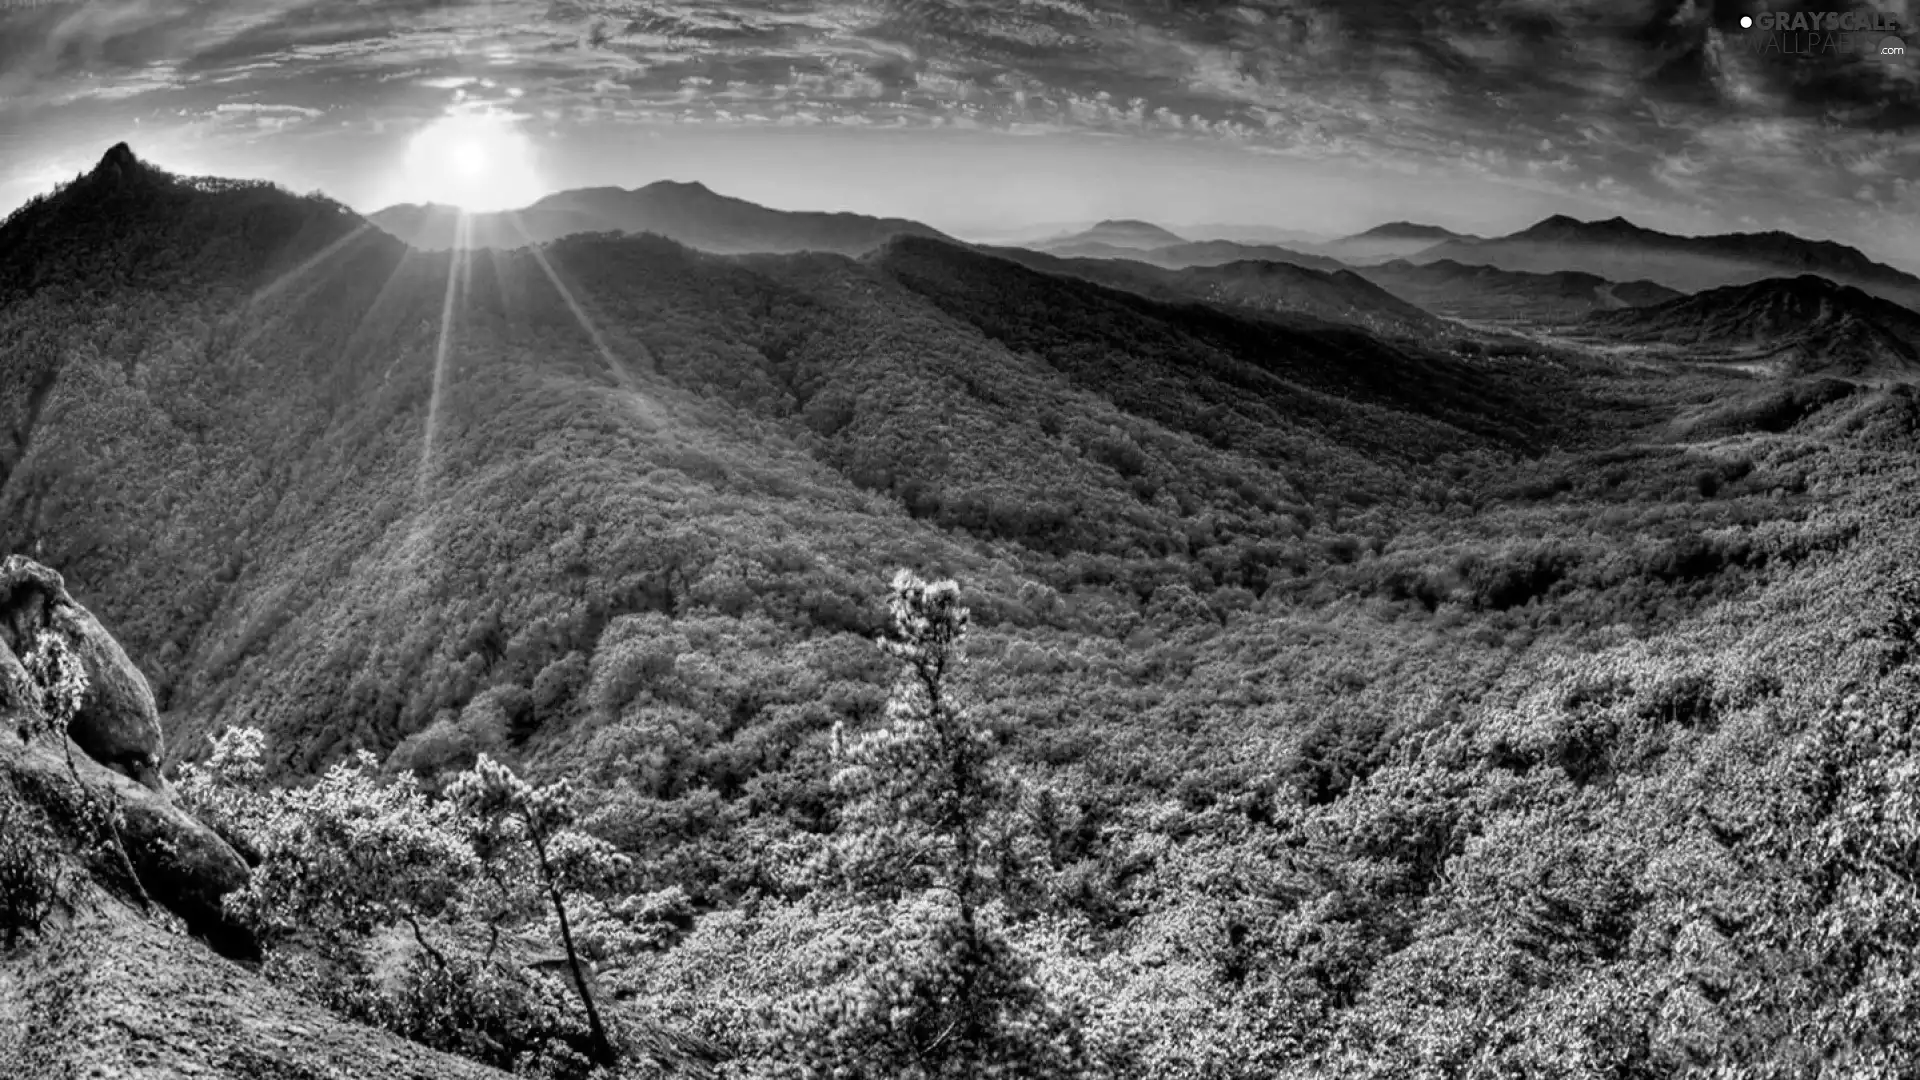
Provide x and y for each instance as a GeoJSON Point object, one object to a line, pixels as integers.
{"type": "Point", "coordinates": [118, 725]}
{"type": "Point", "coordinates": [115, 995]}
{"type": "Point", "coordinates": [109, 991]}
{"type": "Point", "coordinates": [180, 863]}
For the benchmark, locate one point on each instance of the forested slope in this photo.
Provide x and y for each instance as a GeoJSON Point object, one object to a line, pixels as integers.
{"type": "Point", "coordinates": [1373, 709]}
{"type": "Point", "coordinates": [241, 450]}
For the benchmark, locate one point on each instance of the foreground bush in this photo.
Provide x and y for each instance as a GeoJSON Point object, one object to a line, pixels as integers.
{"type": "Point", "coordinates": [468, 882]}
{"type": "Point", "coordinates": [31, 879]}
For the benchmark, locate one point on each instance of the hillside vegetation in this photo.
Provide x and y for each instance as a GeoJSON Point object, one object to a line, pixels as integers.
{"type": "Point", "coordinates": [1805, 326]}
{"type": "Point", "coordinates": [1326, 705]}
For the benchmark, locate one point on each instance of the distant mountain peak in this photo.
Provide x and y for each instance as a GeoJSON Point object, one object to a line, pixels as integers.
{"type": "Point", "coordinates": [1562, 227]}
{"type": "Point", "coordinates": [681, 191]}
{"type": "Point", "coordinates": [1409, 230]}
{"type": "Point", "coordinates": [1120, 233]}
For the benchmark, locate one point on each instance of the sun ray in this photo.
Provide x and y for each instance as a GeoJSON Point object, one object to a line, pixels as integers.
{"type": "Point", "coordinates": [457, 260]}
{"type": "Point", "coordinates": [287, 278]}
{"type": "Point", "coordinates": [573, 304]}
{"type": "Point", "coordinates": [407, 255]}
{"type": "Point", "coordinates": [253, 327]}
{"type": "Point", "coordinates": [501, 286]}
{"type": "Point", "coordinates": [643, 407]}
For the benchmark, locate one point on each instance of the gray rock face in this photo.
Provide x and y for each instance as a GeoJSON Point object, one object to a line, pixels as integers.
{"type": "Point", "coordinates": [181, 863]}
{"type": "Point", "coordinates": [118, 724]}
{"type": "Point", "coordinates": [15, 685]}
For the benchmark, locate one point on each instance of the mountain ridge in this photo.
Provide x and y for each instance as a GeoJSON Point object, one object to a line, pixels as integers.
{"type": "Point", "coordinates": [1124, 233]}
{"type": "Point", "coordinates": [685, 211]}
{"type": "Point", "coordinates": [1258, 607]}
{"type": "Point", "coordinates": [1806, 325]}
{"type": "Point", "coordinates": [1467, 290]}
{"type": "Point", "coordinates": [1273, 287]}
{"type": "Point", "coordinates": [1619, 249]}
{"type": "Point", "coordinates": [280, 374]}
{"type": "Point", "coordinates": [71, 236]}
{"type": "Point", "coordinates": [1408, 230]}
{"type": "Point", "coordinates": [1196, 253]}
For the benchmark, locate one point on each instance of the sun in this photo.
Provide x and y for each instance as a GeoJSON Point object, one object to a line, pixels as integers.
{"type": "Point", "coordinates": [477, 161]}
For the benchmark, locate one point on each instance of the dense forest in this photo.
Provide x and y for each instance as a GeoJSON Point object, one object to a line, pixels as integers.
{"type": "Point", "coordinates": [935, 666]}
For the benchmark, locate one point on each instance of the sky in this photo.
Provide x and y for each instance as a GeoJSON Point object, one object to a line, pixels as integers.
{"type": "Point", "coordinates": [989, 117]}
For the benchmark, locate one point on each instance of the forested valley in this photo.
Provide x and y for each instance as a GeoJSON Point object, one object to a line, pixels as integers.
{"type": "Point", "coordinates": [924, 665]}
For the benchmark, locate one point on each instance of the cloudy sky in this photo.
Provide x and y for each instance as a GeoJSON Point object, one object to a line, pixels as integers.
{"type": "Point", "coordinates": [983, 116]}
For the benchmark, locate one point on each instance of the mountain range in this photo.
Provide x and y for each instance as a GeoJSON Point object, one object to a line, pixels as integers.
{"type": "Point", "coordinates": [1033, 235]}
{"type": "Point", "coordinates": [1350, 670]}
{"type": "Point", "coordinates": [1614, 250]}
{"type": "Point", "coordinates": [1115, 239]}
{"type": "Point", "coordinates": [1117, 234]}
{"type": "Point", "coordinates": [1614, 262]}
{"type": "Point", "coordinates": [1458, 290]}
{"type": "Point", "coordinates": [1278, 288]}
{"type": "Point", "coordinates": [323, 396]}
{"type": "Point", "coordinates": [1619, 250]}
{"type": "Point", "coordinates": [1253, 234]}
{"type": "Point", "coordinates": [1394, 240]}
{"type": "Point", "coordinates": [1800, 326]}
{"type": "Point", "coordinates": [689, 213]}
{"type": "Point", "coordinates": [1194, 253]}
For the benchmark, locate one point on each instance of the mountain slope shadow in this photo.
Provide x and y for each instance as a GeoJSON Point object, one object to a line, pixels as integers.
{"type": "Point", "coordinates": [1800, 326]}
{"type": "Point", "coordinates": [1137, 348]}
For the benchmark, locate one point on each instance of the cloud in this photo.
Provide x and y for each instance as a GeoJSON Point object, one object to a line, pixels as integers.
{"type": "Point", "coordinates": [253, 107]}
{"type": "Point", "coordinates": [1630, 102]}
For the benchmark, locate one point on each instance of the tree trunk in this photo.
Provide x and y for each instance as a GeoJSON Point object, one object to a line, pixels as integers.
{"type": "Point", "coordinates": [603, 1047]}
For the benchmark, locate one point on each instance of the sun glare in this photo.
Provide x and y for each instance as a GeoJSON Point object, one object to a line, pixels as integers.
{"type": "Point", "coordinates": [477, 161]}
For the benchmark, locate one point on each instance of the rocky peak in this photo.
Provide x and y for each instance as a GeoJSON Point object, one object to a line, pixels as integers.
{"type": "Point", "coordinates": [119, 170]}
{"type": "Point", "coordinates": [118, 156]}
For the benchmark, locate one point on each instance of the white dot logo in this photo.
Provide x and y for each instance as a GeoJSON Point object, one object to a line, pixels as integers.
{"type": "Point", "coordinates": [1746, 22]}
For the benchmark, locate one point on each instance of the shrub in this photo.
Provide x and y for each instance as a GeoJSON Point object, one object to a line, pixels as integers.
{"type": "Point", "coordinates": [60, 682]}
{"type": "Point", "coordinates": [31, 876]}
{"type": "Point", "coordinates": [353, 865]}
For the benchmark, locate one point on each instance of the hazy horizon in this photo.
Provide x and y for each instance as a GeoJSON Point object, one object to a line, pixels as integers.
{"type": "Point", "coordinates": [1481, 116]}
{"type": "Point", "coordinates": [1012, 230]}
{"type": "Point", "coordinates": [1364, 212]}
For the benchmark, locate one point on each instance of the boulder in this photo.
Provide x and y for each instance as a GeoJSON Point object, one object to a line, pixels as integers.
{"type": "Point", "coordinates": [118, 724]}
{"type": "Point", "coordinates": [114, 756]}
{"type": "Point", "coordinates": [183, 865]}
